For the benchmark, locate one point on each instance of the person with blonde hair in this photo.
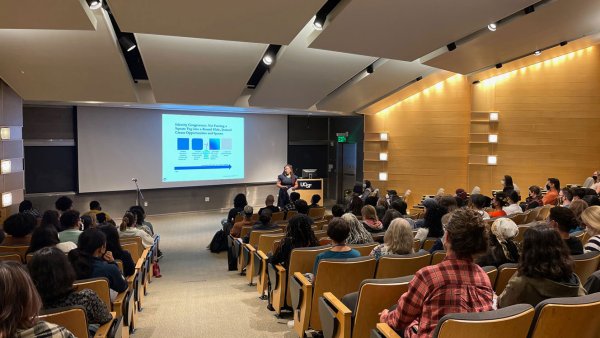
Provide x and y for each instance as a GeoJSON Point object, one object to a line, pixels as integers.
{"type": "Point", "coordinates": [398, 240]}
{"type": "Point", "coordinates": [590, 218]}
{"type": "Point", "coordinates": [358, 233]}
{"type": "Point", "coordinates": [370, 219]}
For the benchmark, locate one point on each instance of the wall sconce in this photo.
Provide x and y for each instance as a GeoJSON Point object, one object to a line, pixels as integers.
{"type": "Point", "coordinates": [5, 167]}
{"type": "Point", "coordinates": [493, 138]}
{"type": "Point", "coordinates": [383, 176]}
{"type": "Point", "coordinates": [383, 136]}
{"type": "Point", "coordinates": [383, 156]}
{"type": "Point", "coordinates": [5, 133]}
{"type": "Point", "coordinates": [6, 199]}
{"type": "Point", "coordinates": [493, 116]}
{"type": "Point", "coordinates": [492, 160]}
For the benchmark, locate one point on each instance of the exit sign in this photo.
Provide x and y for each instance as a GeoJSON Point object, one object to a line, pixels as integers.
{"type": "Point", "coordinates": [342, 139]}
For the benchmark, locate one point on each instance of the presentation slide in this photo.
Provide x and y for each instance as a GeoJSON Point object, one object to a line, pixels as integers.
{"type": "Point", "coordinates": [199, 148]}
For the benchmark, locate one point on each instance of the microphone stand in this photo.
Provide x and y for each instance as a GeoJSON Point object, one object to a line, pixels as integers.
{"type": "Point", "coordinates": [139, 196]}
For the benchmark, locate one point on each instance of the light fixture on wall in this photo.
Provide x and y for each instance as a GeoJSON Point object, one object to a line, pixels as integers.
{"type": "Point", "coordinates": [5, 167]}
{"type": "Point", "coordinates": [494, 116]}
{"type": "Point", "coordinates": [383, 176]}
{"type": "Point", "coordinates": [492, 27]}
{"type": "Point", "coordinates": [537, 52]}
{"type": "Point", "coordinates": [5, 133]}
{"type": "Point", "coordinates": [94, 4]}
{"type": "Point", "coordinates": [383, 136]}
{"type": "Point", "coordinates": [6, 199]}
{"type": "Point", "coordinates": [493, 138]}
{"type": "Point", "coordinates": [492, 160]}
{"type": "Point", "coordinates": [127, 44]}
{"type": "Point", "coordinates": [383, 156]}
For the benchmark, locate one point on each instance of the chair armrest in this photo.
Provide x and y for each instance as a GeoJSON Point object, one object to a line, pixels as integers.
{"type": "Point", "coordinates": [386, 331]}
{"type": "Point", "coordinates": [105, 328]}
{"type": "Point", "coordinates": [139, 264]}
{"type": "Point", "coordinates": [280, 268]}
{"type": "Point", "coordinates": [250, 247]}
{"type": "Point", "coordinates": [337, 304]}
{"type": "Point", "coordinates": [262, 255]}
{"type": "Point", "coordinates": [117, 304]}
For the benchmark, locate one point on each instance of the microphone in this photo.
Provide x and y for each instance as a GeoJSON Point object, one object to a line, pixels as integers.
{"type": "Point", "coordinates": [134, 180]}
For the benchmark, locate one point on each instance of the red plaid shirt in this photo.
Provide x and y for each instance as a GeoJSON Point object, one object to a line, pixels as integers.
{"type": "Point", "coordinates": [452, 286]}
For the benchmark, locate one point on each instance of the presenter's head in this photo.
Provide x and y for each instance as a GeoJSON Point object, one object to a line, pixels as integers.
{"type": "Point", "coordinates": [288, 169]}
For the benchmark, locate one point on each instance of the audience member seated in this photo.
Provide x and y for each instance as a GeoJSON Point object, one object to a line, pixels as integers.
{"type": "Point", "coordinates": [19, 228]}
{"type": "Point", "coordinates": [338, 230]}
{"type": "Point", "coordinates": [479, 202]}
{"type": "Point", "coordinates": [563, 220]}
{"type": "Point", "coordinates": [553, 186]}
{"type": "Point", "coordinates": [298, 234]}
{"type": "Point", "coordinates": [239, 202]}
{"type": "Point", "coordinates": [535, 198]}
{"type": "Point", "coordinates": [448, 202]}
{"type": "Point", "coordinates": [63, 204]}
{"type": "Point", "coordinates": [513, 204]}
{"type": "Point", "coordinates": [498, 203]}
{"type": "Point", "coordinates": [501, 248]}
{"type": "Point", "coordinates": [264, 223]}
{"type": "Point", "coordinates": [381, 207]}
{"type": "Point", "coordinates": [578, 193]}
{"type": "Point", "coordinates": [456, 285]}
{"type": "Point", "coordinates": [26, 207]}
{"type": "Point", "coordinates": [294, 197]}
{"type": "Point", "coordinates": [545, 270]}
{"type": "Point", "coordinates": [301, 206]}
{"type": "Point", "coordinates": [92, 260]}
{"type": "Point", "coordinates": [461, 197]}
{"type": "Point", "coordinates": [113, 244]}
{"type": "Point", "coordinates": [432, 220]}
{"type": "Point", "coordinates": [51, 218]}
{"type": "Point", "coordinates": [372, 201]}
{"type": "Point", "coordinates": [20, 306]}
{"type": "Point", "coordinates": [366, 193]}
{"type": "Point", "coordinates": [127, 229]}
{"type": "Point", "coordinates": [269, 201]}
{"type": "Point", "coordinates": [578, 206]}
{"type": "Point", "coordinates": [590, 181]}
{"type": "Point", "coordinates": [591, 220]}
{"type": "Point", "coordinates": [337, 210]}
{"type": "Point", "coordinates": [70, 222]}
{"type": "Point", "coordinates": [140, 216]}
{"type": "Point", "coordinates": [398, 240]}
{"type": "Point", "coordinates": [389, 216]}
{"type": "Point", "coordinates": [236, 231]}
{"type": "Point", "coordinates": [314, 201]}
{"type": "Point", "coordinates": [591, 200]}
{"type": "Point", "coordinates": [88, 222]}
{"type": "Point", "coordinates": [53, 277]}
{"type": "Point", "coordinates": [101, 220]}
{"type": "Point", "coordinates": [95, 209]}
{"type": "Point", "coordinates": [46, 236]}
{"type": "Point", "coordinates": [358, 233]}
{"type": "Point", "coordinates": [370, 220]}
{"type": "Point", "coordinates": [565, 197]}
{"type": "Point", "coordinates": [596, 185]}
{"type": "Point", "coordinates": [401, 206]}
{"type": "Point", "coordinates": [355, 206]}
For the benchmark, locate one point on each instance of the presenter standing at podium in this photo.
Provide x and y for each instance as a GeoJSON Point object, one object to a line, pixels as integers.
{"type": "Point", "coordinates": [286, 182]}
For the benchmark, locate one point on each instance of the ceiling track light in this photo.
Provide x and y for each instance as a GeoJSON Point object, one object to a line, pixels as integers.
{"type": "Point", "coordinates": [563, 43]}
{"type": "Point", "coordinates": [419, 78]}
{"type": "Point", "coordinates": [127, 44]}
{"type": "Point", "coordinates": [267, 59]}
{"type": "Point", "coordinates": [492, 27]}
{"type": "Point", "coordinates": [319, 23]}
{"type": "Point", "coordinates": [537, 52]}
{"type": "Point", "coordinates": [499, 65]}
{"type": "Point", "coordinates": [476, 82]}
{"type": "Point", "coordinates": [451, 46]}
{"type": "Point", "coordinates": [94, 4]}
{"type": "Point", "coordinates": [529, 9]}
{"type": "Point", "coordinates": [370, 69]}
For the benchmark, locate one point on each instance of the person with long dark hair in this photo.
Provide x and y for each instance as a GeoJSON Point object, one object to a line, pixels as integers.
{"type": "Point", "coordinates": [91, 259]}
{"type": "Point", "coordinates": [19, 227]}
{"type": "Point", "coordinates": [53, 277]}
{"type": "Point", "coordinates": [51, 217]}
{"type": "Point", "coordinates": [498, 203]}
{"type": "Point", "coordinates": [432, 220]}
{"type": "Point", "coordinates": [563, 220]}
{"type": "Point", "coordinates": [239, 202]}
{"type": "Point", "coordinates": [355, 206]}
{"type": "Point", "coordinates": [140, 219]}
{"type": "Point", "coordinates": [47, 236]}
{"type": "Point", "coordinates": [298, 234]}
{"type": "Point", "coordinates": [286, 181]}
{"type": "Point", "coordinates": [113, 244]}
{"type": "Point", "coordinates": [545, 270]}
{"type": "Point", "coordinates": [508, 185]}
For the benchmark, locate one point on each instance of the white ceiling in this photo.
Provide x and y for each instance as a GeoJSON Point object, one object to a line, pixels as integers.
{"type": "Point", "coordinates": [302, 76]}
{"type": "Point", "coordinates": [409, 29]}
{"type": "Point", "coordinates": [198, 71]}
{"type": "Point", "coordinates": [46, 14]}
{"type": "Point", "coordinates": [66, 65]}
{"type": "Point", "coordinates": [550, 24]}
{"type": "Point", "coordinates": [262, 21]}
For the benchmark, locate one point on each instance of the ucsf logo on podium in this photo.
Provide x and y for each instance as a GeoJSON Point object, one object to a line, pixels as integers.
{"type": "Point", "coordinates": [305, 185]}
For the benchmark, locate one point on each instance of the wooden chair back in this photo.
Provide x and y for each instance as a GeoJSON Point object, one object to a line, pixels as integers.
{"type": "Point", "coordinates": [324, 241]}
{"type": "Point", "coordinates": [277, 216]}
{"type": "Point", "coordinates": [20, 250]}
{"type": "Point", "coordinates": [518, 218]}
{"type": "Point", "coordinates": [302, 260]}
{"type": "Point", "coordinates": [291, 214]}
{"type": "Point", "coordinates": [328, 218]}
{"type": "Point", "coordinates": [137, 240]}
{"type": "Point", "coordinates": [544, 212]}
{"type": "Point", "coordinates": [245, 231]}
{"type": "Point", "coordinates": [567, 317]}
{"type": "Point", "coordinates": [254, 218]}
{"type": "Point", "coordinates": [256, 234]}
{"type": "Point", "coordinates": [72, 318]}
{"type": "Point", "coordinates": [320, 234]}
{"type": "Point", "coordinates": [316, 213]}
{"type": "Point", "coordinates": [519, 237]}
{"type": "Point", "coordinates": [505, 273]}
{"type": "Point", "coordinates": [586, 237]}
{"type": "Point", "coordinates": [392, 266]}
{"type": "Point", "coordinates": [428, 243]}
{"type": "Point", "coordinates": [532, 215]}
{"type": "Point", "coordinates": [265, 241]}
{"type": "Point", "coordinates": [339, 277]}
{"type": "Point", "coordinates": [586, 264]}
{"type": "Point", "coordinates": [133, 250]}
{"type": "Point", "coordinates": [10, 258]}
{"type": "Point", "coordinates": [579, 235]}
{"type": "Point", "coordinates": [512, 321]}
{"type": "Point", "coordinates": [238, 218]}
{"type": "Point", "coordinates": [364, 249]}
{"type": "Point", "coordinates": [492, 273]}
{"type": "Point", "coordinates": [99, 285]}
{"type": "Point", "coordinates": [438, 256]}
{"type": "Point", "coordinates": [320, 224]}
{"type": "Point", "coordinates": [16, 241]}
{"type": "Point", "coordinates": [416, 245]}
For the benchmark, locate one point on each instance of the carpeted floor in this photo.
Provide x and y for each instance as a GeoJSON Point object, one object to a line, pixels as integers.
{"type": "Point", "coordinates": [197, 296]}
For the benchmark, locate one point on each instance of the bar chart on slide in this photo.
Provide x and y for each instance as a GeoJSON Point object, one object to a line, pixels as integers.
{"type": "Point", "coordinates": [197, 148]}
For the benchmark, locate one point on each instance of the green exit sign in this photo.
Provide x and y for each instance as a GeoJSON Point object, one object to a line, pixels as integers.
{"type": "Point", "coordinates": [342, 139]}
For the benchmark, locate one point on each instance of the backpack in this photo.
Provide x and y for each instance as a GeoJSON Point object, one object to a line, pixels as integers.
{"type": "Point", "coordinates": [219, 242]}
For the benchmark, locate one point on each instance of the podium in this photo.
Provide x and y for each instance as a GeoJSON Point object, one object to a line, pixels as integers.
{"type": "Point", "coordinates": [310, 186]}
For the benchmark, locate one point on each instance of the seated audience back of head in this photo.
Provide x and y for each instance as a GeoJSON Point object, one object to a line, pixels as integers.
{"type": "Point", "coordinates": [462, 199]}
{"type": "Point", "coordinates": [501, 249]}
{"type": "Point", "coordinates": [314, 201]}
{"type": "Point", "coordinates": [448, 202]}
{"type": "Point", "coordinates": [269, 201]}
{"type": "Point", "coordinates": [53, 277]}
{"type": "Point", "coordinates": [578, 206]}
{"type": "Point", "coordinates": [51, 218]}
{"type": "Point", "coordinates": [456, 285]}
{"type": "Point", "coordinates": [20, 305]}
{"type": "Point", "coordinates": [301, 206]}
{"type": "Point", "coordinates": [371, 200]}
{"type": "Point", "coordinates": [355, 206]}
{"type": "Point", "coordinates": [591, 220]}
{"type": "Point", "coordinates": [432, 220]}
{"type": "Point", "coordinates": [113, 244]}
{"type": "Point", "coordinates": [480, 202]}
{"type": "Point", "coordinates": [19, 227]}
{"type": "Point", "coordinates": [236, 230]}
{"type": "Point", "coordinates": [513, 204]}
{"type": "Point", "coordinates": [358, 233]}
{"type": "Point", "coordinates": [95, 209]}
{"type": "Point", "coordinates": [46, 236]}
{"type": "Point", "coordinates": [298, 234]}
{"type": "Point", "coordinates": [370, 220]}
{"type": "Point", "coordinates": [264, 223]}
{"type": "Point", "coordinates": [545, 270]}
{"type": "Point", "coordinates": [388, 217]}
{"type": "Point", "coordinates": [563, 220]}
{"type": "Point", "coordinates": [88, 222]}
{"type": "Point", "coordinates": [294, 196]}
{"type": "Point", "coordinates": [338, 230]}
{"type": "Point", "coordinates": [498, 203]}
{"type": "Point", "coordinates": [71, 224]}
{"type": "Point", "coordinates": [337, 210]}
{"type": "Point", "coordinates": [398, 240]}
{"type": "Point", "coordinates": [534, 199]}
{"type": "Point", "coordinates": [591, 200]}
{"type": "Point", "coordinates": [128, 229]}
{"type": "Point", "coordinates": [63, 204]}
{"type": "Point", "coordinates": [239, 202]}
{"type": "Point", "coordinates": [140, 216]}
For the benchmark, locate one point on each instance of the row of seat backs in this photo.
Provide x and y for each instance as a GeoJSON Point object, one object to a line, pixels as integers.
{"type": "Point", "coordinates": [315, 213]}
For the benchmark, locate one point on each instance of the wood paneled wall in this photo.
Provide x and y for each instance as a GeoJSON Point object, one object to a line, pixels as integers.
{"type": "Point", "coordinates": [428, 140]}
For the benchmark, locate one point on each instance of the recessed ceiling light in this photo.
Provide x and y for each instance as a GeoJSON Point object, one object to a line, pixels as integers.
{"type": "Point", "coordinates": [94, 4]}
{"type": "Point", "coordinates": [492, 27]}
{"type": "Point", "coordinates": [267, 60]}
{"type": "Point", "coordinates": [537, 52]}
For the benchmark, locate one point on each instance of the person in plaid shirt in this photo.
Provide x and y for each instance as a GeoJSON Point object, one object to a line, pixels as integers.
{"type": "Point", "coordinates": [453, 286]}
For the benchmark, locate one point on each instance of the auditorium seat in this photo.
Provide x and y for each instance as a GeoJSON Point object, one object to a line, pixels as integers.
{"type": "Point", "coordinates": [245, 231]}
{"type": "Point", "coordinates": [512, 321]}
{"type": "Point", "coordinates": [259, 260]}
{"type": "Point", "coordinates": [316, 213]}
{"type": "Point", "coordinates": [16, 241]}
{"type": "Point", "coordinates": [277, 216]}
{"type": "Point", "coordinates": [416, 245]}
{"type": "Point", "coordinates": [579, 235]}
{"type": "Point", "coordinates": [519, 237]}
{"type": "Point", "coordinates": [356, 314]}
{"type": "Point", "coordinates": [290, 214]}
{"type": "Point", "coordinates": [505, 273]}
{"type": "Point", "coordinates": [320, 224]}
{"type": "Point", "coordinates": [135, 282]}
{"type": "Point", "coordinates": [364, 249]}
{"type": "Point", "coordinates": [20, 250]}
{"type": "Point", "coordinates": [544, 212]}
{"type": "Point", "coordinates": [518, 218]}
{"type": "Point", "coordinates": [382, 330]}
{"type": "Point", "coordinates": [74, 319]}
{"type": "Point", "coordinates": [392, 266]}
{"type": "Point", "coordinates": [586, 264]}
{"type": "Point", "coordinates": [586, 237]}
{"type": "Point", "coordinates": [438, 256]}
{"type": "Point", "coordinates": [428, 243]}
{"type": "Point", "coordinates": [492, 273]}
{"type": "Point", "coordinates": [532, 215]}
{"type": "Point", "coordinates": [11, 257]}
{"type": "Point", "coordinates": [301, 260]}
{"type": "Point", "coordinates": [339, 277]}
{"type": "Point", "coordinates": [320, 234]}
{"type": "Point", "coordinates": [249, 249]}
{"type": "Point", "coordinates": [567, 317]}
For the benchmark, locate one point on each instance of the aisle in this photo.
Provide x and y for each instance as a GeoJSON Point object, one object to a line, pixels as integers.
{"type": "Point", "coordinates": [197, 297]}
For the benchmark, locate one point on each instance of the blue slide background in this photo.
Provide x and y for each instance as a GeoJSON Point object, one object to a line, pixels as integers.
{"type": "Point", "coordinates": [197, 148]}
